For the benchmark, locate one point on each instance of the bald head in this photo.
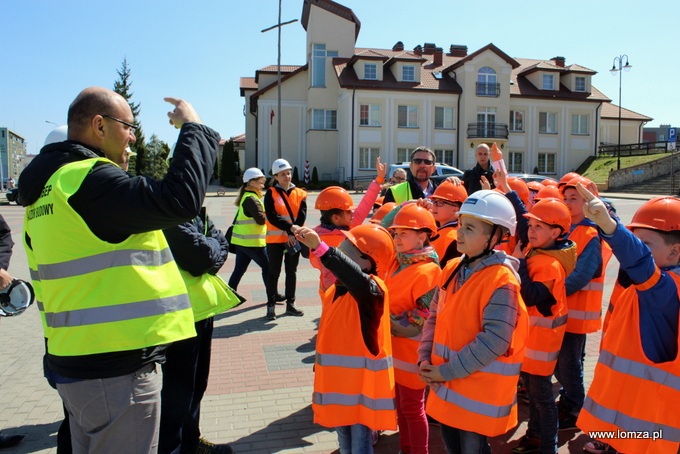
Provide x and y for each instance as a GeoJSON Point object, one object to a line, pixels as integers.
{"type": "Point", "coordinates": [482, 155]}
{"type": "Point", "coordinates": [90, 102]}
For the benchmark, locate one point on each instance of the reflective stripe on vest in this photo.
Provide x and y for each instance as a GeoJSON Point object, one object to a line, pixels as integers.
{"type": "Point", "coordinates": [99, 262]}
{"type": "Point", "coordinates": [494, 367]}
{"type": "Point", "coordinates": [583, 315]}
{"type": "Point", "coordinates": [354, 362]}
{"type": "Point", "coordinates": [594, 286]}
{"type": "Point", "coordinates": [639, 370]}
{"type": "Point", "coordinates": [541, 356]}
{"type": "Point", "coordinates": [294, 199]}
{"type": "Point", "coordinates": [473, 406]}
{"type": "Point", "coordinates": [549, 323]}
{"type": "Point", "coordinates": [348, 400]}
{"type": "Point", "coordinates": [406, 366]}
{"type": "Point", "coordinates": [95, 296]}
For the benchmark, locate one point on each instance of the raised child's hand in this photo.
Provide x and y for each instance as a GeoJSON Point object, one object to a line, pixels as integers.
{"type": "Point", "coordinates": [485, 183]}
{"type": "Point", "coordinates": [381, 168]}
{"type": "Point", "coordinates": [308, 237]}
{"type": "Point", "coordinates": [595, 210]}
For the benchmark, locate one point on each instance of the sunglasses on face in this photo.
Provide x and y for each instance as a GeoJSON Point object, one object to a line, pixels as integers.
{"type": "Point", "coordinates": [427, 162]}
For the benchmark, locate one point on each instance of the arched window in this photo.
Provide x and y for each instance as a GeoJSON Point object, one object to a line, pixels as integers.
{"type": "Point", "coordinates": [487, 84]}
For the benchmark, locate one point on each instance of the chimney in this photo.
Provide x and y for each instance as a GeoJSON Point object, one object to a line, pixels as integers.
{"type": "Point", "coordinates": [457, 50]}
{"type": "Point", "coordinates": [429, 48]}
{"type": "Point", "coordinates": [398, 47]}
{"type": "Point", "coordinates": [438, 56]}
{"type": "Point", "coordinates": [559, 61]}
{"type": "Point", "coordinates": [418, 50]}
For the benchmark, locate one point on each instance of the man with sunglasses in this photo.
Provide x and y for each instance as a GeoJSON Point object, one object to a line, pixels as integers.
{"type": "Point", "coordinates": [111, 296]}
{"type": "Point", "coordinates": [418, 185]}
{"type": "Point", "coordinates": [472, 178]}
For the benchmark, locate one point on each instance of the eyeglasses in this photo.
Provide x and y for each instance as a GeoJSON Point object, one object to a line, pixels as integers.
{"type": "Point", "coordinates": [130, 125]}
{"type": "Point", "coordinates": [440, 203]}
{"type": "Point", "coordinates": [427, 162]}
{"type": "Point", "coordinates": [399, 178]}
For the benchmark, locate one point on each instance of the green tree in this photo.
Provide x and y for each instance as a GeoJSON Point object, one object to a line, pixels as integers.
{"type": "Point", "coordinates": [229, 166]}
{"type": "Point", "coordinates": [315, 176]}
{"type": "Point", "coordinates": [122, 86]}
{"type": "Point", "coordinates": [155, 158]}
{"type": "Point", "coordinates": [296, 176]}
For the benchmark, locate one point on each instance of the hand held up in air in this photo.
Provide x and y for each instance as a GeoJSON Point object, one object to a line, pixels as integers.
{"type": "Point", "coordinates": [183, 113]}
{"type": "Point", "coordinates": [595, 210]}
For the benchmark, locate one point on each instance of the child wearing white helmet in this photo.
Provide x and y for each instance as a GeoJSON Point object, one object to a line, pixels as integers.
{"type": "Point", "coordinates": [286, 209]}
{"type": "Point", "coordinates": [474, 338]}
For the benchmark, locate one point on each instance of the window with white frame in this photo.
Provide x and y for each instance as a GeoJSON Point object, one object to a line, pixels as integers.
{"type": "Point", "coordinates": [546, 163]}
{"type": "Point", "coordinates": [319, 54]}
{"type": "Point", "coordinates": [407, 116]}
{"type": "Point", "coordinates": [548, 81]}
{"type": "Point", "coordinates": [324, 119]}
{"type": "Point", "coordinates": [487, 82]}
{"type": "Point", "coordinates": [547, 122]}
{"type": "Point", "coordinates": [367, 157]}
{"type": "Point", "coordinates": [443, 118]}
{"type": "Point", "coordinates": [404, 154]}
{"type": "Point", "coordinates": [515, 162]}
{"type": "Point", "coordinates": [579, 124]}
{"type": "Point", "coordinates": [444, 156]}
{"type": "Point", "coordinates": [408, 73]}
{"type": "Point", "coordinates": [517, 121]}
{"type": "Point", "coordinates": [579, 83]}
{"type": "Point", "coordinates": [370, 71]}
{"type": "Point", "coordinates": [369, 115]}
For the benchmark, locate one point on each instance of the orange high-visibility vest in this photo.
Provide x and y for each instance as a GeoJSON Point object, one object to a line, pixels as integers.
{"type": "Point", "coordinates": [351, 385]}
{"type": "Point", "coordinates": [485, 401]}
{"type": "Point", "coordinates": [630, 393]}
{"type": "Point", "coordinates": [585, 306]}
{"type": "Point", "coordinates": [295, 198]}
{"type": "Point", "coordinates": [546, 333]}
{"type": "Point", "coordinates": [405, 287]}
{"type": "Point", "coordinates": [446, 236]}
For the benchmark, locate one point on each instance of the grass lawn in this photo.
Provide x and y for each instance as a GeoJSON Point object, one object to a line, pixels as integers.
{"type": "Point", "coordinates": [599, 169]}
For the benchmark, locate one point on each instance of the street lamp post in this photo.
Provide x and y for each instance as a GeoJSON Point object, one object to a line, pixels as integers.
{"type": "Point", "coordinates": [278, 74]}
{"type": "Point", "coordinates": [619, 70]}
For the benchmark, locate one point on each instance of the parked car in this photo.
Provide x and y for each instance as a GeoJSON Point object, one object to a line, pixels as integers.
{"type": "Point", "coordinates": [531, 177]}
{"type": "Point", "coordinates": [12, 194]}
{"type": "Point", "coordinates": [441, 172]}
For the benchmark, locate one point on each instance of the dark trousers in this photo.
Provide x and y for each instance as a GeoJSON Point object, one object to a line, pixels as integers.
{"type": "Point", "coordinates": [542, 411]}
{"type": "Point", "coordinates": [277, 254]}
{"type": "Point", "coordinates": [244, 255]}
{"type": "Point", "coordinates": [185, 379]}
{"type": "Point", "coordinates": [569, 372]}
{"type": "Point", "coordinates": [459, 441]}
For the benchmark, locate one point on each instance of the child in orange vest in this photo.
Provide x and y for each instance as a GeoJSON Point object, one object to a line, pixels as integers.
{"type": "Point", "coordinates": [473, 342]}
{"type": "Point", "coordinates": [354, 376]}
{"type": "Point", "coordinates": [411, 283]}
{"type": "Point", "coordinates": [446, 201]}
{"type": "Point", "coordinates": [635, 393]}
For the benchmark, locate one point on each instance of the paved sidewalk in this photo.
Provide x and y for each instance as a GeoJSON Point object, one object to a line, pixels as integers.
{"type": "Point", "coordinates": [260, 387]}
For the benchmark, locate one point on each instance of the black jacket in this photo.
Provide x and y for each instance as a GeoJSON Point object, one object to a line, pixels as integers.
{"type": "Point", "coordinates": [115, 205]}
{"type": "Point", "coordinates": [472, 178]}
{"type": "Point", "coordinates": [6, 244]}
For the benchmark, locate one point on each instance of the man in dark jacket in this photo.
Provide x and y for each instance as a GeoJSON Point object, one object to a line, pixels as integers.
{"type": "Point", "coordinates": [472, 179]}
{"type": "Point", "coordinates": [114, 207]}
{"type": "Point", "coordinates": [418, 185]}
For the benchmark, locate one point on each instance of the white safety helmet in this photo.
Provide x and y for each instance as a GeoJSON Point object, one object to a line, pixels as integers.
{"type": "Point", "coordinates": [252, 173]}
{"type": "Point", "coordinates": [58, 134]}
{"type": "Point", "coordinates": [492, 207]}
{"type": "Point", "coordinates": [130, 153]}
{"type": "Point", "coordinates": [280, 165]}
{"type": "Point", "coordinates": [16, 298]}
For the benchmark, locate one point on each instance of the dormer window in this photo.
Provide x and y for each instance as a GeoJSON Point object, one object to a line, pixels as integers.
{"type": "Point", "coordinates": [580, 83]}
{"type": "Point", "coordinates": [408, 73]}
{"type": "Point", "coordinates": [548, 81]}
{"type": "Point", "coordinates": [370, 71]}
{"type": "Point", "coordinates": [487, 82]}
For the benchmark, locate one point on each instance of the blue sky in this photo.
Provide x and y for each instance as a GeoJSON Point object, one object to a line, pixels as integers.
{"type": "Point", "coordinates": [199, 50]}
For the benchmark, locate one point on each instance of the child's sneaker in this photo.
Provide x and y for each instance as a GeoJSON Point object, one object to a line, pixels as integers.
{"type": "Point", "coordinates": [527, 444]}
{"type": "Point", "coordinates": [598, 447]}
{"type": "Point", "coordinates": [567, 421]}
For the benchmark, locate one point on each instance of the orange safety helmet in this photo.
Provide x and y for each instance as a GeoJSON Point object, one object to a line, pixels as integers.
{"type": "Point", "coordinates": [374, 241]}
{"type": "Point", "coordinates": [588, 184]}
{"type": "Point", "coordinates": [414, 217]}
{"type": "Point", "coordinates": [450, 192]}
{"type": "Point", "coordinates": [549, 182]}
{"type": "Point", "coordinates": [334, 197]}
{"type": "Point", "coordinates": [566, 178]}
{"type": "Point", "coordinates": [382, 212]}
{"type": "Point", "coordinates": [659, 213]}
{"type": "Point", "coordinates": [520, 187]}
{"type": "Point", "coordinates": [552, 212]}
{"type": "Point", "coordinates": [379, 201]}
{"type": "Point", "coordinates": [548, 192]}
{"type": "Point", "coordinates": [535, 186]}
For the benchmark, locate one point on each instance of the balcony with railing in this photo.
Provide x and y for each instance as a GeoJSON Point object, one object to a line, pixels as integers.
{"type": "Point", "coordinates": [487, 131]}
{"type": "Point", "coordinates": [488, 89]}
